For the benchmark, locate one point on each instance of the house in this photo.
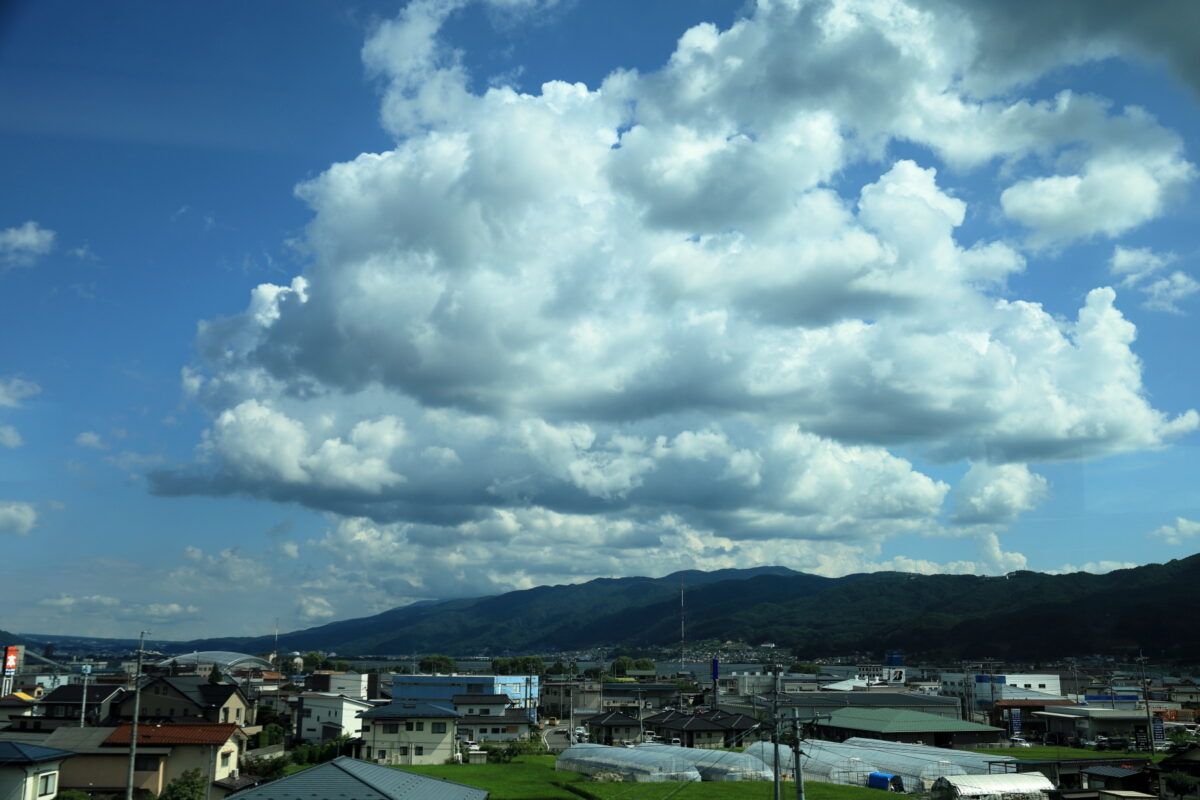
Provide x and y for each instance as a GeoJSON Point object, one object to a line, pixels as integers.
{"type": "Point", "coordinates": [613, 727]}
{"type": "Point", "coordinates": [350, 777]}
{"type": "Point", "coordinates": [487, 718]}
{"type": "Point", "coordinates": [187, 699]}
{"type": "Point", "coordinates": [896, 725]}
{"type": "Point", "coordinates": [409, 733]}
{"type": "Point", "coordinates": [65, 703]}
{"type": "Point", "coordinates": [17, 704]}
{"type": "Point", "coordinates": [164, 752]}
{"type": "Point", "coordinates": [692, 730]}
{"type": "Point", "coordinates": [321, 716]}
{"type": "Point", "coordinates": [30, 771]}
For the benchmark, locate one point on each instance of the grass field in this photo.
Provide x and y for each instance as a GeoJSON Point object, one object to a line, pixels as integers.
{"type": "Point", "coordinates": [534, 778]}
{"type": "Point", "coordinates": [1043, 753]}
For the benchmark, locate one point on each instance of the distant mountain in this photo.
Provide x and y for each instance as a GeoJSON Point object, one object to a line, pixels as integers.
{"type": "Point", "coordinates": [1024, 615]}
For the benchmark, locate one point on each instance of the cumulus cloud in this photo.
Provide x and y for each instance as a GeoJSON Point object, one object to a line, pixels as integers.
{"type": "Point", "coordinates": [17, 518]}
{"type": "Point", "coordinates": [644, 320]}
{"type": "Point", "coordinates": [1179, 532]}
{"type": "Point", "coordinates": [10, 436]}
{"type": "Point", "coordinates": [990, 494]}
{"type": "Point", "coordinates": [23, 245]}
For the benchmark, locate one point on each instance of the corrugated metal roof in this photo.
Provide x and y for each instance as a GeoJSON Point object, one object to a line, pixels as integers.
{"type": "Point", "coordinates": [26, 753]}
{"type": "Point", "coordinates": [1105, 771]}
{"type": "Point", "coordinates": [350, 778]}
{"type": "Point", "coordinates": [894, 720]}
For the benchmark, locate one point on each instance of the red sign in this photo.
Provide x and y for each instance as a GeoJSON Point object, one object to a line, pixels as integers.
{"type": "Point", "coordinates": [10, 661]}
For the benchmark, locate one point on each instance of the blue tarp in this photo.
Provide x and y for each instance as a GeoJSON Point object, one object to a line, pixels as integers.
{"type": "Point", "coordinates": [886, 782]}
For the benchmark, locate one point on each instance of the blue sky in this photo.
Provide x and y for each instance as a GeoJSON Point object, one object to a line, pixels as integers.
{"type": "Point", "coordinates": [311, 311]}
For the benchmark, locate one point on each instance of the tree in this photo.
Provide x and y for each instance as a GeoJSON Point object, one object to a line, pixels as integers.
{"type": "Point", "coordinates": [215, 675]}
{"type": "Point", "coordinates": [342, 666]}
{"type": "Point", "coordinates": [557, 668]}
{"type": "Point", "coordinates": [643, 663]}
{"type": "Point", "coordinates": [805, 667]}
{"type": "Point", "coordinates": [437, 663]}
{"type": "Point", "coordinates": [188, 786]}
{"type": "Point", "coordinates": [622, 665]}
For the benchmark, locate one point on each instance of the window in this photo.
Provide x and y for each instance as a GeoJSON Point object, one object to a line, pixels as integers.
{"type": "Point", "coordinates": [485, 711]}
{"type": "Point", "coordinates": [366, 728]}
{"type": "Point", "coordinates": [225, 714]}
{"type": "Point", "coordinates": [145, 764]}
{"type": "Point", "coordinates": [438, 727]}
{"type": "Point", "coordinates": [1041, 686]}
{"type": "Point", "coordinates": [420, 725]}
{"type": "Point", "coordinates": [382, 754]}
{"type": "Point", "coordinates": [418, 750]}
{"type": "Point", "coordinates": [391, 727]}
{"type": "Point", "coordinates": [237, 714]}
{"type": "Point", "coordinates": [404, 751]}
{"type": "Point", "coordinates": [414, 726]}
{"type": "Point", "coordinates": [408, 726]}
{"type": "Point", "coordinates": [47, 783]}
{"type": "Point", "coordinates": [307, 712]}
{"type": "Point", "coordinates": [224, 759]}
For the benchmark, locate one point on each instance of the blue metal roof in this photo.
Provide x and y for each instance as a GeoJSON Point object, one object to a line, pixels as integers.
{"type": "Point", "coordinates": [346, 777]}
{"type": "Point", "coordinates": [24, 753]}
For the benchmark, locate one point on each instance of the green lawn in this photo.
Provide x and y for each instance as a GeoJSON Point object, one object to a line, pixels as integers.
{"type": "Point", "coordinates": [534, 778]}
{"type": "Point", "coordinates": [526, 778]}
{"type": "Point", "coordinates": [1044, 753]}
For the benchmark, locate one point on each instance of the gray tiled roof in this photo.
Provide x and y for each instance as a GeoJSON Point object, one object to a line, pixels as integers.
{"type": "Point", "coordinates": [401, 710]}
{"type": "Point", "coordinates": [352, 779]}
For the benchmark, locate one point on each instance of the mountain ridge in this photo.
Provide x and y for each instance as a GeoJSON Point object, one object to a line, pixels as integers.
{"type": "Point", "coordinates": [1020, 615]}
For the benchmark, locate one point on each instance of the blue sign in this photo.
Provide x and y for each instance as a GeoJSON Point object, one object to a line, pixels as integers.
{"type": "Point", "coordinates": [714, 667]}
{"type": "Point", "coordinates": [1159, 731]}
{"type": "Point", "coordinates": [1014, 715]}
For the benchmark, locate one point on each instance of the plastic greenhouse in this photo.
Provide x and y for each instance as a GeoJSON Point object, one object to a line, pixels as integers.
{"type": "Point", "coordinates": [1005, 786]}
{"type": "Point", "coordinates": [972, 763]}
{"type": "Point", "coordinates": [640, 764]}
{"type": "Point", "coordinates": [917, 766]}
{"type": "Point", "coordinates": [717, 765]}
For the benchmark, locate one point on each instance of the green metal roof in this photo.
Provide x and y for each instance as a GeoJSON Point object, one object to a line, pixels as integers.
{"type": "Point", "coordinates": [894, 720]}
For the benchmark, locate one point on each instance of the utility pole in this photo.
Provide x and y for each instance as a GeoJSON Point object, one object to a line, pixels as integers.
{"type": "Point", "coordinates": [1146, 700]}
{"type": "Point", "coordinates": [83, 701]}
{"type": "Point", "coordinates": [798, 770]}
{"type": "Point", "coordinates": [137, 710]}
{"type": "Point", "coordinates": [775, 732]}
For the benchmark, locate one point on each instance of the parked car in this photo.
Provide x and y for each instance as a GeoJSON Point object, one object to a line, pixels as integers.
{"type": "Point", "coordinates": [1017, 741]}
{"type": "Point", "coordinates": [677, 742]}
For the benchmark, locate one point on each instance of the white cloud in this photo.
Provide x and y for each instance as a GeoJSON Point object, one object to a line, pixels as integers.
{"type": "Point", "coordinates": [1165, 293]}
{"type": "Point", "coordinates": [647, 321]}
{"type": "Point", "coordinates": [90, 440]}
{"type": "Point", "coordinates": [1138, 267]}
{"type": "Point", "coordinates": [14, 390]}
{"type": "Point", "coordinates": [17, 518]}
{"type": "Point", "coordinates": [314, 609]}
{"type": "Point", "coordinates": [10, 436]}
{"type": "Point", "coordinates": [991, 494]}
{"type": "Point", "coordinates": [1095, 567]}
{"type": "Point", "coordinates": [1182, 530]}
{"type": "Point", "coordinates": [23, 245]}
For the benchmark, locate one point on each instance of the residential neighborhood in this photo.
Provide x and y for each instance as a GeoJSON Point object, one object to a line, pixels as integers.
{"type": "Point", "coordinates": [235, 722]}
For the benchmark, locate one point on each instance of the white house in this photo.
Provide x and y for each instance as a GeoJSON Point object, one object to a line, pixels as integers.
{"type": "Point", "coordinates": [409, 733]}
{"type": "Point", "coordinates": [321, 716]}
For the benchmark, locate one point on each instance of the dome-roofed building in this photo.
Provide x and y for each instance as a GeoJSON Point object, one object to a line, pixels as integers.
{"type": "Point", "coordinates": [224, 660]}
